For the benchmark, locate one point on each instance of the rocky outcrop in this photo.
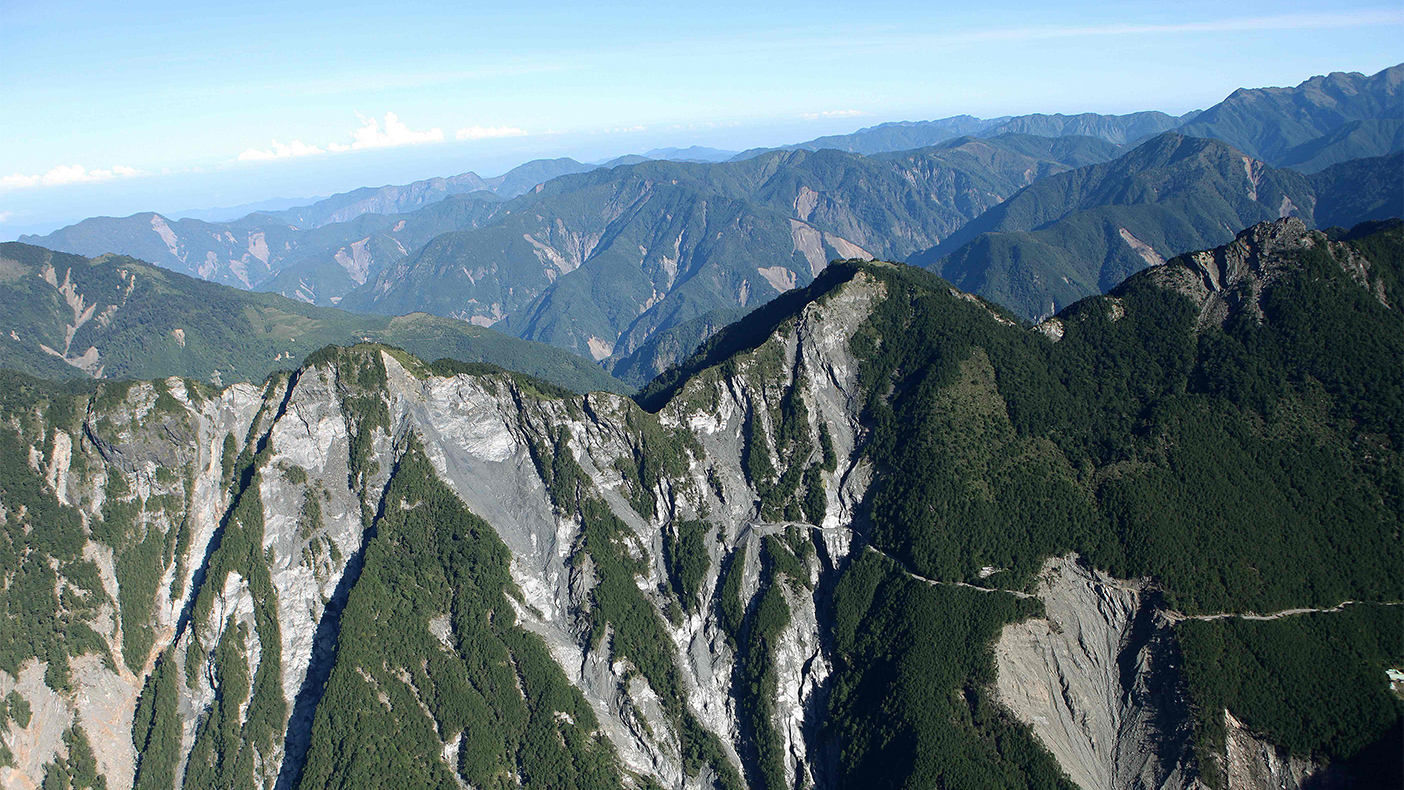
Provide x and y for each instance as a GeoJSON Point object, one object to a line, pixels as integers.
{"type": "Point", "coordinates": [1232, 278]}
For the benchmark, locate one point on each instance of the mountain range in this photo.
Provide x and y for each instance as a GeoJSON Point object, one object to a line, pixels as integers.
{"type": "Point", "coordinates": [878, 533]}
{"type": "Point", "coordinates": [117, 317]}
{"type": "Point", "coordinates": [1081, 232]}
{"type": "Point", "coordinates": [904, 135]}
{"type": "Point", "coordinates": [602, 260]}
{"type": "Point", "coordinates": [597, 262]}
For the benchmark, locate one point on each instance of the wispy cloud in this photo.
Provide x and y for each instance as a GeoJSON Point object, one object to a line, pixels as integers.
{"type": "Point", "coordinates": [370, 135]}
{"type": "Point", "coordinates": [5, 216]}
{"type": "Point", "coordinates": [814, 116]}
{"type": "Point", "coordinates": [819, 40]}
{"type": "Point", "coordinates": [489, 132]}
{"type": "Point", "coordinates": [67, 174]}
{"type": "Point", "coordinates": [1318, 21]}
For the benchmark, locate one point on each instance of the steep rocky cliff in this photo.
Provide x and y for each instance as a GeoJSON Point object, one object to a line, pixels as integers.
{"type": "Point", "coordinates": [371, 573]}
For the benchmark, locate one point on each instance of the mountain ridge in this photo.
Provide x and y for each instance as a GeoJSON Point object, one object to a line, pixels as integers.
{"type": "Point", "coordinates": [70, 316]}
{"type": "Point", "coordinates": [881, 479]}
{"type": "Point", "coordinates": [1267, 123]}
{"type": "Point", "coordinates": [600, 261]}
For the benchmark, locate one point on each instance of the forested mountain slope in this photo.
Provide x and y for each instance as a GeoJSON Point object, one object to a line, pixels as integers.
{"type": "Point", "coordinates": [118, 317]}
{"type": "Point", "coordinates": [875, 535]}
{"type": "Point", "coordinates": [598, 262]}
{"type": "Point", "coordinates": [1081, 232]}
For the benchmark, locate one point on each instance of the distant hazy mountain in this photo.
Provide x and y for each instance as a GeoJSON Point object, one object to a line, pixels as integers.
{"type": "Point", "coordinates": [241, 253]}
{"type": "Point", "coordinates": [315, 265]}
{"type": "Point", "coordinates": [895, 136]}
{"type": "Point", "coordinates": [1079, 233]}
{"type": "Point", "coordinates": [117, 317]}
{"type": "Point", "coordinates": [696, 153]}
{"type": "Point", "coordinates": [229, 213]}
{"type": "Point", "coordinates": [402, 199]}
{"type": "Point", "coordinates": [1272, 123]}
{"type": "Point", "coordinates": [390, 199]}
{"type": "Point", "coordinates": [906, 135]}
{"type": "Point", "coordinates": [599, 262]}
{"type": "Point", "coordinates": [1120, 129]}
{"type": "Point", "coordinates": [627, 159]}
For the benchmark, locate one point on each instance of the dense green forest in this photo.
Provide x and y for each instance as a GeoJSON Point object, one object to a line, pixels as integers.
{"type": "Point", "coordinates": [1152, 448]}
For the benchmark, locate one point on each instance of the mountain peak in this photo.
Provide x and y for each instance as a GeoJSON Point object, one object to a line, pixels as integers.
{"type": "Point", "coordinates": [1233, 278]}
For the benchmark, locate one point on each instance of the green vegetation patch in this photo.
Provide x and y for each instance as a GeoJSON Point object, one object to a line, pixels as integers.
{"type": "Point", "coordinates": [78, 770]}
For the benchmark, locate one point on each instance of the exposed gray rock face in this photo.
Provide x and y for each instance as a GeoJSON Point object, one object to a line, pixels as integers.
{"type": "Point", "coordinates": [1232, 278]}
{"type": "Point", "coordinates": [1254, 763]}
{"type": "Point", "coordinates": [1096, 681]}
{"type": "Point", "coordinates": [35, 745]}
{"type": "Point", "coordinates": [477, 433]}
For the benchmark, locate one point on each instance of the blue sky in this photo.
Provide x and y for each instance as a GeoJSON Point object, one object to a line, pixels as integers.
{"type": "Point", "coordinates": [116, 108]}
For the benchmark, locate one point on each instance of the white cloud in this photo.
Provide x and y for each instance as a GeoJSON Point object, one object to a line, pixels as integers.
{"type": "Point", "coordinates": [280, 151]}
{"type": "Point", "coordinates": [814, 116]}
{"type": "Point", "coordinates": [5, 216]}
{"type": "Point", "coordinates": [370, 135]}
{"type": "Point", "coordinates": [67, 174]}
{"type": "Point", "coordinates": [488, 132]}
{"type": "Point", "coordinates": [395, 133]}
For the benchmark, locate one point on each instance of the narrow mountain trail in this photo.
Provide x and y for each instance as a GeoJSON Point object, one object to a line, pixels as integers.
{"type": "Point", "coordinates": [1171, 615]}
{"type": "Point", "coordinates": [1176, 617]}
{"type": "Point", "coordinates": [766, 528]}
